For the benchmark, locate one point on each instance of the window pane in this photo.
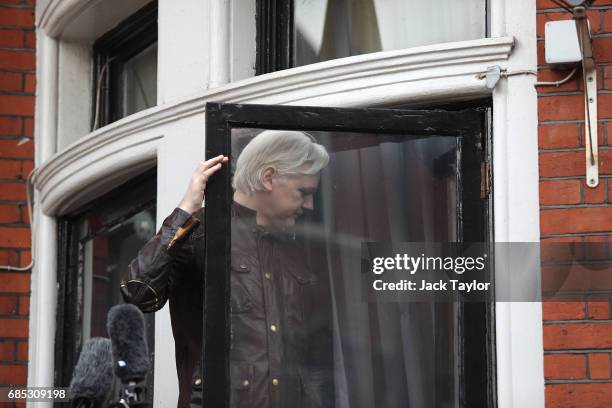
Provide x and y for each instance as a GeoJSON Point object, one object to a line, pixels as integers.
{"type": "Point", "coordinates": [140, 81]}
{"type": "Point", "coordinates": [301, 332]}
{"type": "Point", "coordinates": [328, 29]}
{"type": "Point", "coordinates": [106, 256]}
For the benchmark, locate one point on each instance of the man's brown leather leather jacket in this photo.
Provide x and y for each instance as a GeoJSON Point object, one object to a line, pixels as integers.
{"type": "Point", "coordinates": [280, 351]}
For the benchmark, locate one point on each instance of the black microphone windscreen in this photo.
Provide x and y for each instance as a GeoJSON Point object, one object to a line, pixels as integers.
{"type": "Point", "coordinates": [126, 328]}
{"type": "Point", "coordinates": [93, 374]}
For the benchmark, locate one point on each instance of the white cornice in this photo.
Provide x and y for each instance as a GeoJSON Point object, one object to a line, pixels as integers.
{"type": "Point", "coordinates": [83, 20]}
{"type": "Point", "coordinates": [413, 76]}
{"type": "Point", "coordinates": [58, 13]}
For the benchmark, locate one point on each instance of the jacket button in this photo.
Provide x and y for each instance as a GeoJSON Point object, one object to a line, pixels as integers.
{"type": "Point", "coordinates": [245, 383]}
{"type": "Point", "coordinates": [273, 328]}
{"type": "Point", "coordinates": [243, 266]}
{"type": "Point", "coordinates": [197, 381]}
{"type": "Point", "coordinates": [274, 382]}
{"type": "Point", "coordinates": [267, 275]}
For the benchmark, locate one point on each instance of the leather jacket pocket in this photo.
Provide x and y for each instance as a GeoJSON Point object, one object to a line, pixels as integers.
{"type": "Point", "coordinates": [241, 301]}
{"type": "Point", "coordinates": [301, 273]}
{"type": "Point", "coordinates": [241, 380]}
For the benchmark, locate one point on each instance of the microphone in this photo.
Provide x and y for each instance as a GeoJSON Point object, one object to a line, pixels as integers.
{"type": "Point", "coordinates": [93, 374]}
{"type": "Point", "coordinates": [126, 328]}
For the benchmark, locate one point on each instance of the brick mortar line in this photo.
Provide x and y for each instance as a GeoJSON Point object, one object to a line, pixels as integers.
{"type": "Point", "coordinates": [569, 121]}
{"type": "Point", "coordinates": [587, 366]}
{"type": "Point", "coordinates": [581, 178]}
{"type": "Point", "coordinates": [15, 318]}
{"type": "Point", "coordinates": [13, 249]}
{"type": "Point", "coordinates": [24, 6]}
{"type": "Point", "coordinates": [571, 206]}
{"type": "Point", "coordinates": [576, 234]}
{"type": "Point", "coordinates": [27, 29]}
{"type": "Point", "coordinates": [562, 93]}
{"type": "Point", "coordinates": [577, 351]}
{"type": "Point", "coordinates": [18, 71]}
{"type": "Point", "coordinates": [20, 28]}
{"type": "Point", "coordinates": [13, 116]}
{"type": "Point", "coordinates": [13, 27]}
{"type": "Point", "coordinates": [15, 93]}
{"type": "Point", "coordinates": [17, 294]}
{"type": "Point", "coordinates": [574, 294]}
{"type": "Point", "coordinates": [571, 93]}
{"type": "Point", "coordinates": [562, 322]}
{"type": "Point", "coordinates": [579, 149]}
{"type": "Point", "coordinates": [20, 49]}
{"type": "Point", "coordinates": [581, 322]}
{"type": "Point", "coordinates": [552, 93]}
{"type": "Point", "coordinates": [588, 381]}
{"type": "Point", "coordinates": [594, 7]}
{"type": "Point", "coordinates": [551, 10]}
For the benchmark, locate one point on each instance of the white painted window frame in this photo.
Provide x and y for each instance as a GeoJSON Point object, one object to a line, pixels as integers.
{"type": "Point", "coordinates": [93, 163]}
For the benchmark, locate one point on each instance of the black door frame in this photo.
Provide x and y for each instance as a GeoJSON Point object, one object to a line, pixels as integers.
{"type": "Point", "coordinates": [469, 125]}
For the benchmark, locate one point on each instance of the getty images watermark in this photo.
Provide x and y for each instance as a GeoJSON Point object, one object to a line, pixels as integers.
{"type": "Point", "coordinates": [503, 272]}
{"type": "Point", "coordinates": [413, 264]}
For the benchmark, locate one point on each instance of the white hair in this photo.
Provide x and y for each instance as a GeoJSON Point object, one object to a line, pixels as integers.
{"type": "Point", "coordinates": [287, 151]}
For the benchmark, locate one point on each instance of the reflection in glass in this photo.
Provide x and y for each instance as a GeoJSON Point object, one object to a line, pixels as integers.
{"type": "Point", "coordinates": [302, 334]}
{"type": "Point", "coordinates": [140, 81]}
{"type": "Point", "coordinates": [328, 29]}
{"type": "Point", "coordinates": [106, 254]}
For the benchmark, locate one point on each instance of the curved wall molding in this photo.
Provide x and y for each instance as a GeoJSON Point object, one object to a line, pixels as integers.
{"type": "Point", "coordinates": [419, 75]}
{"type": "Point", "coordinates": [58, 13]}
{"type": "Point", "coordinates": [83, 20]}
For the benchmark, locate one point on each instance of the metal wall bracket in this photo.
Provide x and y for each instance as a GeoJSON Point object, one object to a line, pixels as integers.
{"type": "Point", "coordinates": [590, 97]}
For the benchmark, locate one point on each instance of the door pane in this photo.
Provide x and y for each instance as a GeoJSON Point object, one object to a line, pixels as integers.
{"type": "Point", "coordinates": [302, 334]}
{"type": "Point", "coordinates": [328, 29]}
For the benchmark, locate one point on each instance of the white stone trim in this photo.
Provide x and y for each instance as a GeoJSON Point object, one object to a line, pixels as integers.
{"type": "Point", "coordinates": [43, 300]}
{"type": "Point", "coordinates": [82, 20]}
{"type": "Point", "coordinates": [519, 348]}
{"type": "Point", "coordinates": [438, 72]}
{"type": "Point", "coordinates": [58, 13]}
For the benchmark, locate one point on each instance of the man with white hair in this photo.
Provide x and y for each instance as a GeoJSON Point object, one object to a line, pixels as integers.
{"type": "Point", "coordinates": [272, 349]}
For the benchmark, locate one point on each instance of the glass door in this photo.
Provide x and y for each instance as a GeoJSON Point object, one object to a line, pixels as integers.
{"type": "Point", "coordinates": [287, 322]}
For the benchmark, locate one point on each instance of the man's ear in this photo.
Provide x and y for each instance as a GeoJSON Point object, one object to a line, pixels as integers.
{"type": "Point", "coordinates": [266, 177]}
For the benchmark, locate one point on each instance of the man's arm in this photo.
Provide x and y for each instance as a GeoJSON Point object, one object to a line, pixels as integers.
{"type": "Point", "coordinates": [162, 261]}
{"type": "Point", "coordinates": [159, 263]}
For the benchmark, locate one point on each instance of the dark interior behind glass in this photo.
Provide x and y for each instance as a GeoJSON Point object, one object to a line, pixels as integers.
{"type": "Point", "coordinates": [97, 243]}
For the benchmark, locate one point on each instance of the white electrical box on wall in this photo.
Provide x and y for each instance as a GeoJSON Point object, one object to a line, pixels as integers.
{"type": "Point", "coordinates": [561, 42]}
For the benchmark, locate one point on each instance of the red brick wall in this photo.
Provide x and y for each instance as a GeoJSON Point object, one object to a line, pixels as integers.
{"type": "Point", "coordinates": [17, 83]}
{"type": "Point", "coordinates": [577, 335]}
